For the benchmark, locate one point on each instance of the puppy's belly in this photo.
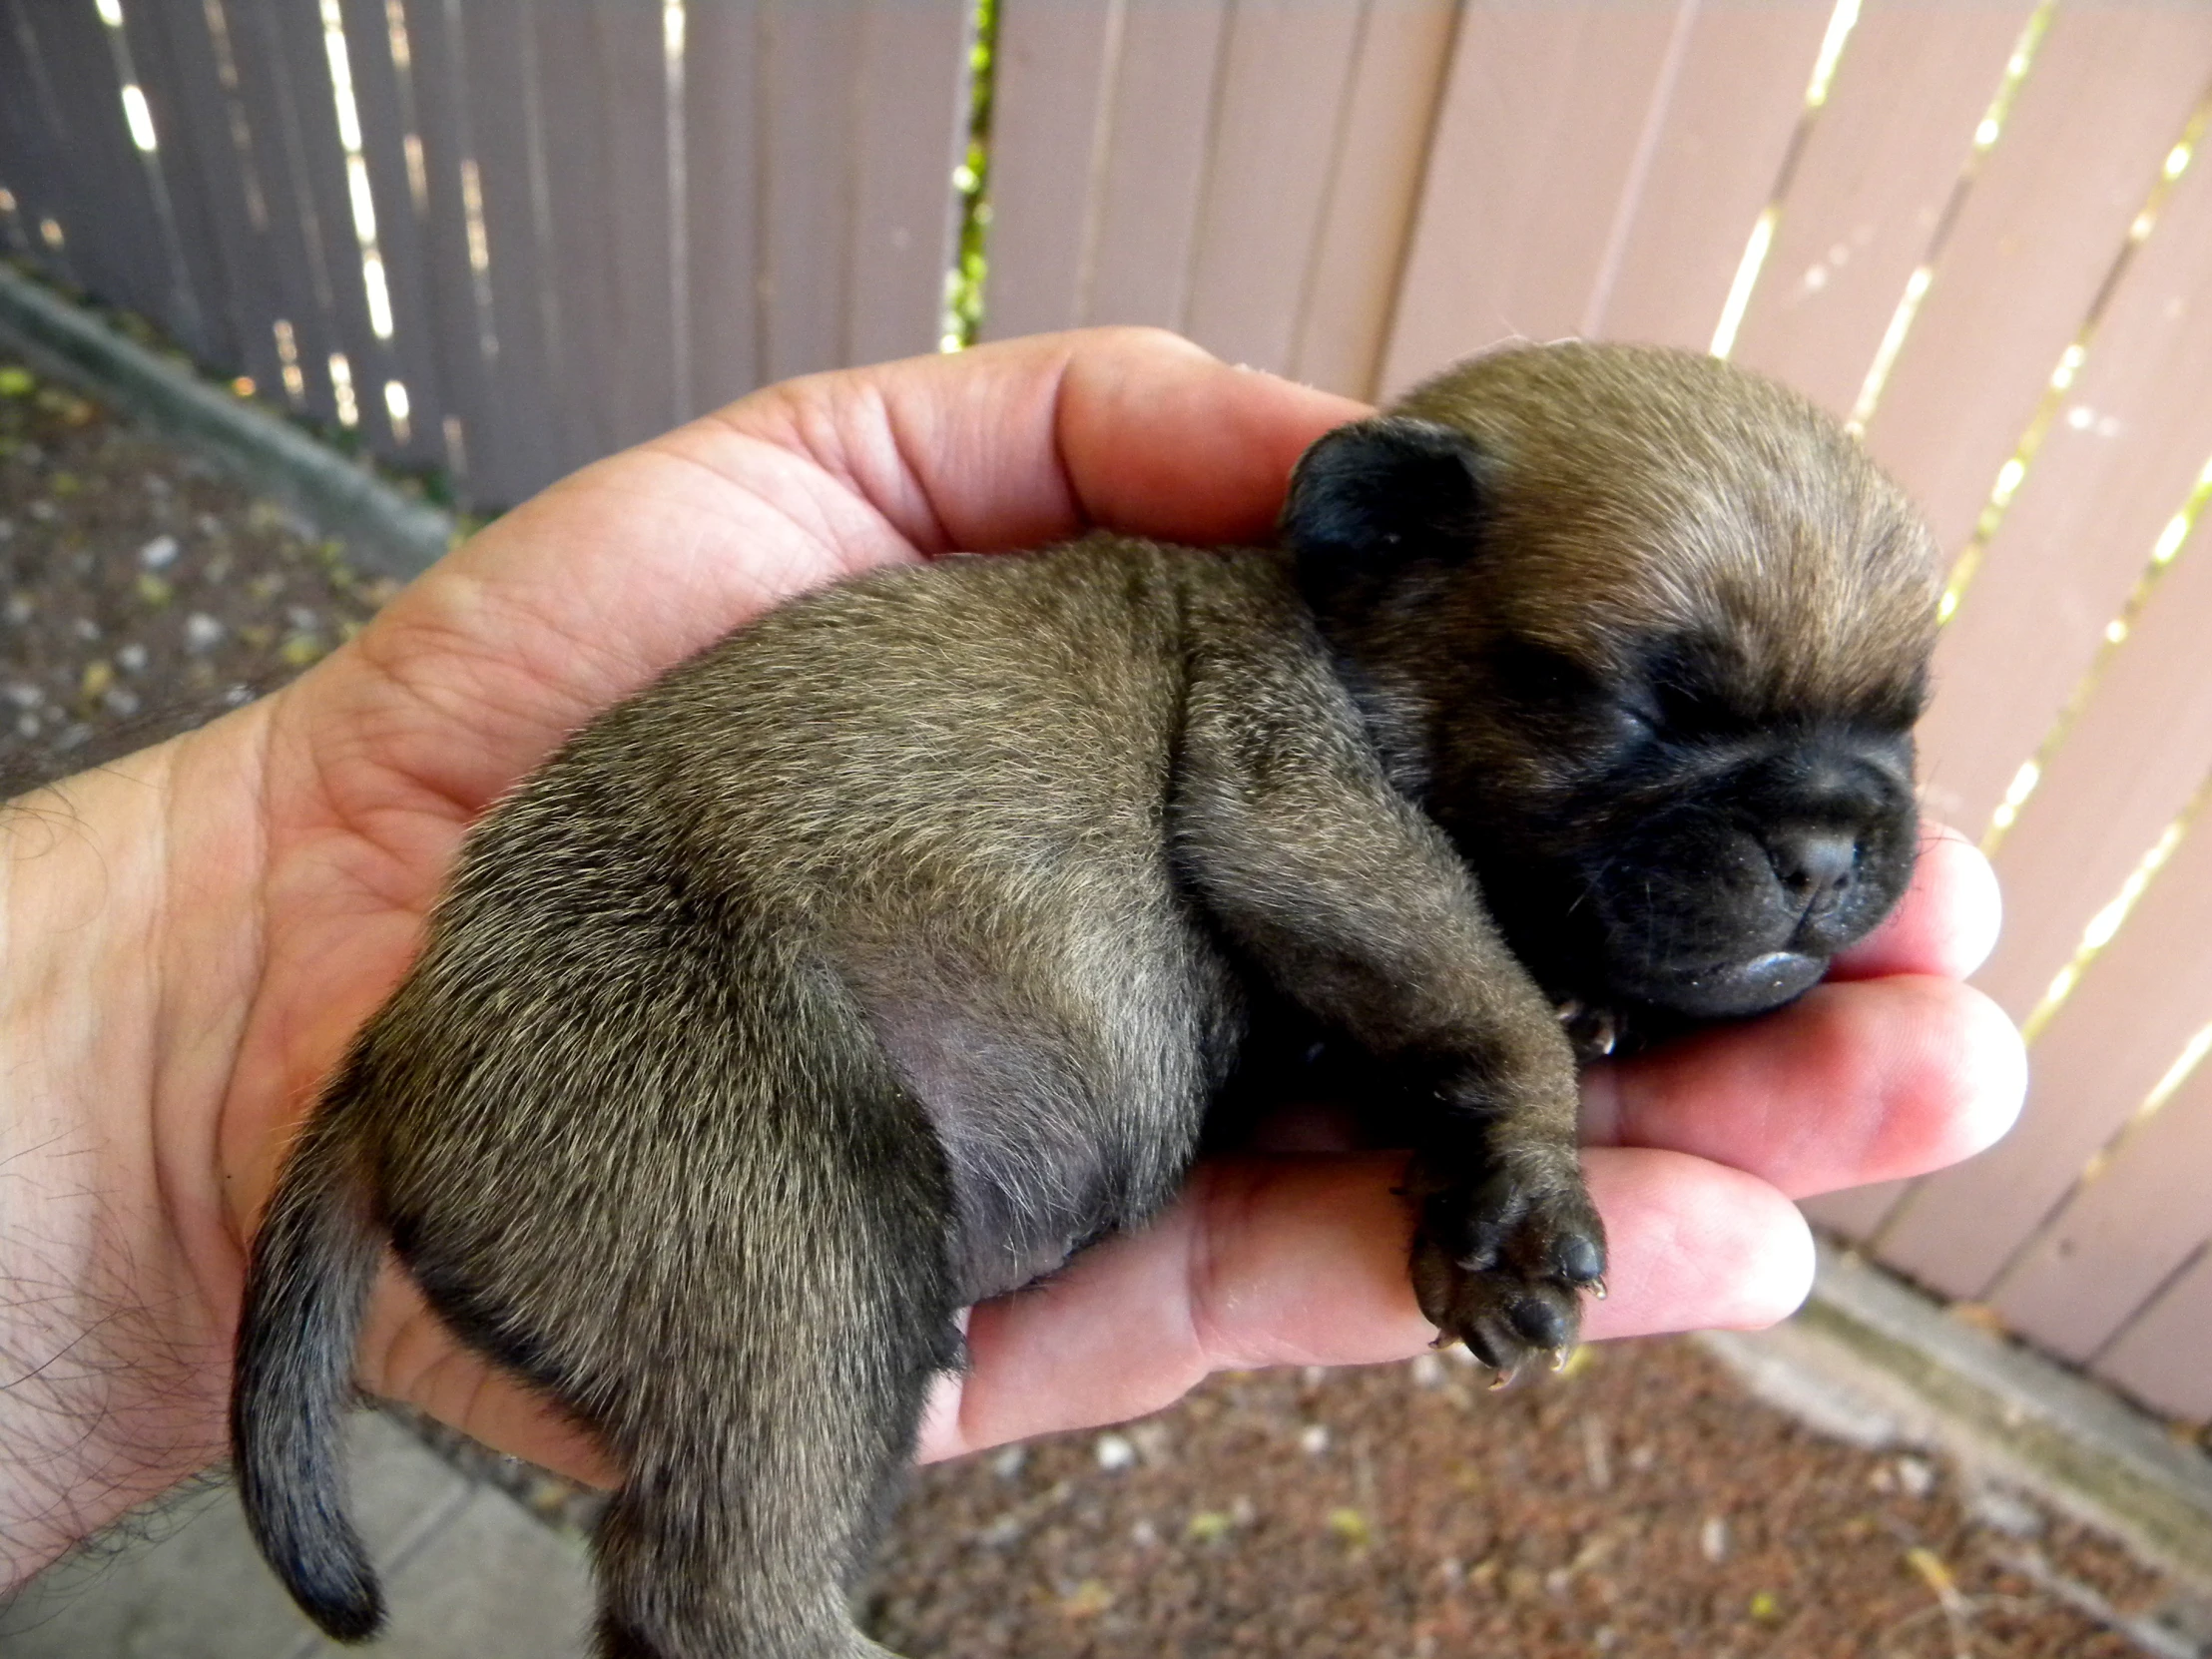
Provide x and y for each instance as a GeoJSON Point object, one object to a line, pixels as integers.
{"type": "Point", "coordinates": [1068, 1104]}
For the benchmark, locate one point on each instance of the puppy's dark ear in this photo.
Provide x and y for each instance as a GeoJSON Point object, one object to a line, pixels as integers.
{"type": "Point", "coordinates": [1371, 498]}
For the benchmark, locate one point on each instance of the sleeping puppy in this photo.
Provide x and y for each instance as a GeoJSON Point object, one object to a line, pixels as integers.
{"type": "Point", "coordinates": [891, 951]}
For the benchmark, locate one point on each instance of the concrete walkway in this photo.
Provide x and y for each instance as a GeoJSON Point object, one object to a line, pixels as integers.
{"type": "Point", "coordinates": [468, 1574]}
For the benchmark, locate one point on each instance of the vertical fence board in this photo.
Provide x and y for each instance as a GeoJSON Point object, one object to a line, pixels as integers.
{"type": "Point", "coordinates": [400, 231]}
{"type": "Point", "coordinates": [913, 127]}
{"type": "Point", "coordinates": [215, 100]}
{"type": "Point", "coordinates": [809, 57]}
{"type": "Point", "coordinates": [195, 309]}
{"type": "Point", "coordinates": [2096, 1062]}
{"type": "Point", "coordinates": [320, 159]}
{"type": "Point", "coordinates": [1049, 95]}
{"type": "Point", "coordinates": [1544, 116]}
{"type": "Point", "coordinates": [723, 175]}
{"type": "Point", "coordinates": [1358, 254]}
{"type": "Point", "coordinates": [1283, 84]}
{"type": "Point", "coordinates": [2135, 432]}
{"type": "Point", "coordinates": [2133, 756]}
{"type": "Point", "coordinates": [644, 389]}
{"type": "Point", "coordinates": [1152, 177]}
{"type": "Point", "coordinates": [2120, 1237]}
{"type": "Point", "coordinates": [114, 253]}
{"type": "Point", "coordinates": [496, 43]}
{"type": "Point", "coordinates": [2166, 1358]}
{"type": "Point", "coordinates": [37, 167]}
{"type": "Point", "coordinates": [294, 239]}
{"type": "Point", "coordinates": [2125, 772]}
{"type": "Point", "coordinates": [580, 269]}
{"type": "Point", "coordinates": [1855, 1211]}
{"type": "Point", "coordinates": [1736, 99]}
{"type": "Point", "coordinates": [466, 337]}
{"type": "Point", "coordinates": [2047, 215]}
{"type": "Point", "coordinates": [1879, 163]}
{"type": "Point", "coordinates": [176, 69]}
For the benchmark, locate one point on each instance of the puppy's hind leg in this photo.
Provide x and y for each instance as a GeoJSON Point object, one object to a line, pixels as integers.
{"type": "Point", "coordinates": [766, 1429]}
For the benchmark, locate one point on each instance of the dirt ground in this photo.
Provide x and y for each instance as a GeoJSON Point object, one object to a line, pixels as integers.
{"type": "Point", "coordinates": [1640, 1504]}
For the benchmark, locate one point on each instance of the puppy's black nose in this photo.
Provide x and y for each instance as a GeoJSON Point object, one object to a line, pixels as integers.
{"type": "Point", "coordinates": [1814, 865]}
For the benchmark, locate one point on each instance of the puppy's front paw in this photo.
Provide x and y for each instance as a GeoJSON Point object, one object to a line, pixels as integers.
{"type": "Point", "coordinates": [1500, 1265]}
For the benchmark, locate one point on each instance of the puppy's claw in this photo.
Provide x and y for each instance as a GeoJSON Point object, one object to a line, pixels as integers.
{"type": "Point", "coordinates": [1501, 1377]}
{"type": "Point", "coordinates": [1559, 1358]}
{"type": "Point", "coordinates": [1597, 1288]}
{"type": "Point", "coordinates": [1594, 1031]}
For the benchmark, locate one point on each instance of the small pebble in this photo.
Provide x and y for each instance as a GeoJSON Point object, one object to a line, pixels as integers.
{"type": "Point", "coordinates": [1916, 1477]}
{"type": "Point", "coordinates": [85, 629]}
{"type": "Point", "coordinates": [1115, 1453]}
{"type": "Point", "coordinates": [1712, 1539]}
{"type": "Point", "coordinates": [131, 658]}
{"type": "Point", "coordinates": [119, 701]}
{"type": "Point", "coordinates": [1008, 1463]}
{"type": "Point", "coordinates": [23, 694]}
{"type": "Point", "coordinates": [20, 607]}
{"type": "Point", "coordinates": [202, 632]}
{"type": "Point", "coordinates": [1313, 1439]}
{"type": "Point", "coordinates": [159, 553]}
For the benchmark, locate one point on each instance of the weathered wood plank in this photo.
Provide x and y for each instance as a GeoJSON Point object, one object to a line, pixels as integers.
{"type": "Point", "coordinates": [2093, 1065]}
{"type": "Point", "coordinates": [1736, 99]}
{"type": "Point", "coordinates": [1284, 78]}
{"type": "Point", "coordinates": [1049, 101]}
{"type": "Point", "coordinates": [2111, 89]}
{"type": "Point", "coordinates": [2121, 1235]}
{"type": "Point", "coordinates": [1358, 256]}
{"type": "Point", "coordinates": [1548, 112]}
{"type": "Point", "coordinates": [722, 169]}
{"type": "Point", "coordinates": [1879, 164]}
{"type": "Point", "coordinates": [2131, 437]}
{"type": "Point", "coordinates": [912, 82]}
{"type": "Point", "coordinates": [2164, 1357]}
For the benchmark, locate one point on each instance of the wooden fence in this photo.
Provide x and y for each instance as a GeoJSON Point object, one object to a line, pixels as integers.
{"type": "Point", "coordinates": [505, 237]}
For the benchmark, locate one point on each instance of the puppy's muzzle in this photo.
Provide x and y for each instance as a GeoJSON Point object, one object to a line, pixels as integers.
{"type": "Point", "coordinates": [1735, 905]}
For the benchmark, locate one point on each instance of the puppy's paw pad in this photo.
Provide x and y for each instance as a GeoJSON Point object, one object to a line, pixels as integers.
{"type": "Point", "coordinates": [1501, 1266]}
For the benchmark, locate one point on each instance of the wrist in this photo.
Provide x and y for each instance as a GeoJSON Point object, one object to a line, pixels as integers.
{"type": "Point", "coordinates": [127, 940]}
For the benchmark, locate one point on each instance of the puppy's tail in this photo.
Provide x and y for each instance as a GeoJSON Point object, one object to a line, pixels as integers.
{"type": "Point", "coordinates": [305, 1291]}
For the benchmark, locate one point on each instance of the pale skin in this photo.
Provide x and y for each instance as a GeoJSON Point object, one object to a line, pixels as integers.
{"type": "Point", "coordinates": [191, 934]}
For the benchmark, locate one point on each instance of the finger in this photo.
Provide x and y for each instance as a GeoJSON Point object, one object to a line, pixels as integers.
{"type": "Point", "coordinates": [1026, 441]}
{"type": "Point", "coordinates": [1858, 1082]}
{"type": "Point", "coordinates": [1946, 924]}
{"type": "Point", "coordinates": [1303, 1261]}
{"type": "Point", "coordinates": [583, 594]}
{"type": "Point", "coordinates": [408, 1354]}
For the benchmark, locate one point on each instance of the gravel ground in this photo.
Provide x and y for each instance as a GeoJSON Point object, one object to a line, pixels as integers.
{"type": "Point", "coordinates": [1641, 1504]}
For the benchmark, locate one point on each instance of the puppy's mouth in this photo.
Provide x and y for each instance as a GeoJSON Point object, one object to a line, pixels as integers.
{"type": "Point", "coordinates": [1732, 990]}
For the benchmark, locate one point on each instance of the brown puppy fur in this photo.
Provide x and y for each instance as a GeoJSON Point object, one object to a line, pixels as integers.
{"type": "Point", "coordinates": [890, 951]}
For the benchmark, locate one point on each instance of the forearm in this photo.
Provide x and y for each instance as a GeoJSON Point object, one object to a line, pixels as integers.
{"type": "Point", "coordinates": [126, 939]}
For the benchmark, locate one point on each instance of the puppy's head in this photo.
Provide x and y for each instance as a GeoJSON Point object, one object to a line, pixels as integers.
{"type": "Point", "coordinates": [1647, 635]}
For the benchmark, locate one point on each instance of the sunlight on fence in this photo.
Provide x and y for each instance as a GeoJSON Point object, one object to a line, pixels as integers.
{"type": "Point", "coordinates": [1839, 24]}
{"type": "Point", "coordinates": [1986, 136]}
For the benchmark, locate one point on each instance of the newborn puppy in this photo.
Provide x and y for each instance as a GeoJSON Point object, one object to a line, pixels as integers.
{"type": "Point", "coordinates": [892, 949]}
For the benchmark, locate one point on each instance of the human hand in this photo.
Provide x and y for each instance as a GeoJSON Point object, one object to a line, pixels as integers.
{"type": "Point", "coordinates": [338, 804]}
